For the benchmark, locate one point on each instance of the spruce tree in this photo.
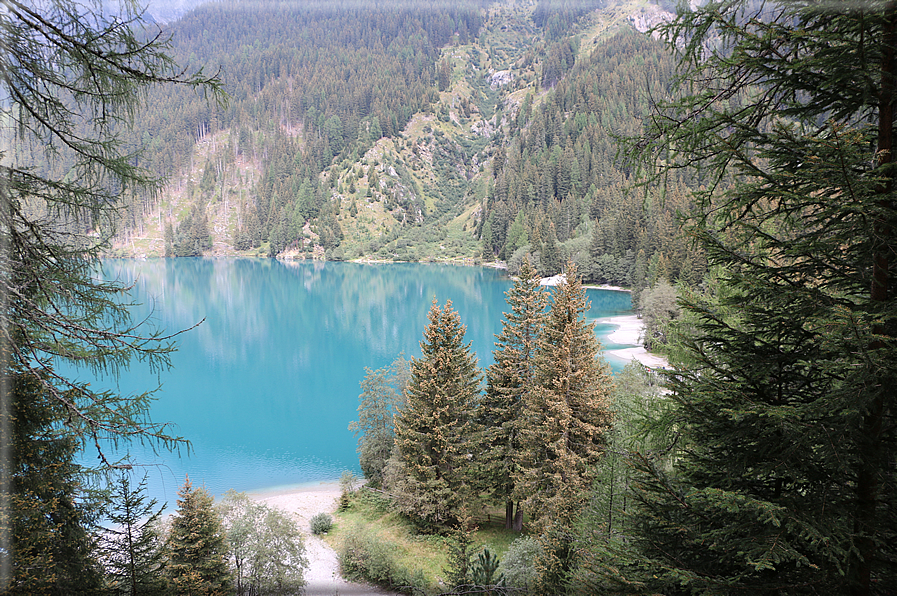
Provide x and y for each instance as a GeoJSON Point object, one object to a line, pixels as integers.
{"type": "Point", "coordinates": [197, 546]}
{"type": "Point", "coordinates": [432, 430]}
{"type": "Point", "coordinates": [46, 516]}
{"type": "Point", "coordinates": [551, 260]}
{"type": "Point", "coordinates": [509, 381]}
{"type": "Point", "coordinates": [566, 416]}
{"type": "Point", "coordinates": [785, 380]}
{"type": "Point", "coordinates": [132, 547]}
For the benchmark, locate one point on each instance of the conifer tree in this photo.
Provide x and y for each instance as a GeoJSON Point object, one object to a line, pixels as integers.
{"type": "Point", "coordinates": [73, 78]}
{"type": "Point", "coordinates": [432, 430]}
{"type": "Point", "coordinates": [551, 259]}
{"type": "Point", "coordinates": [50, 524]}
{"type": "Point", "coordinates": [197, 546]}
{"type": "Point", "coordinates": [785, 381]}
{"type": "Point", "coordinates": [509, 381]}
{"type": "Point", "coordinates": [567, 415]}
{"type": "Point", "coordinates": [132, 547]}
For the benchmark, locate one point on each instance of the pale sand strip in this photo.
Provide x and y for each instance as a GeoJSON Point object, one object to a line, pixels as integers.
{"type": "Point", "coordinates": [628, 332]}
{"type": "Point", "coordinates": [647, 358]}
{"type": "Point", "coordinates": [322, 577]}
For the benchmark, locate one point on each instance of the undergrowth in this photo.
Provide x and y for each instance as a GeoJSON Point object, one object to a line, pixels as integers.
{"type": "Point", "coordinates": [377, 544]}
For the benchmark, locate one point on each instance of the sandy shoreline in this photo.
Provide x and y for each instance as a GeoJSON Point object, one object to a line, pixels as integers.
{"type": "Point", "coordinates": [628, 333]}
{"type": "Point", "coordinates": [322, 577]}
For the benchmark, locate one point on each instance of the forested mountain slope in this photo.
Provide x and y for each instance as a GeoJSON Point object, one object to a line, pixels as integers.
{"type": "Point", "coordinates": [412, 132]}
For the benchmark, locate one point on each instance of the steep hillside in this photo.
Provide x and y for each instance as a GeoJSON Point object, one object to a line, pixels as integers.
{"type": "Point", "coordinates": [476, 132]}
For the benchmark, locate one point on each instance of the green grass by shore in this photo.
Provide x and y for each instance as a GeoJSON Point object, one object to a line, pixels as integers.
{"type": "Point", "coordinates": [402, 553]}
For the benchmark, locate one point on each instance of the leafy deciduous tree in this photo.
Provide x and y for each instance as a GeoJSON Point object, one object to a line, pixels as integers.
{"type": "Point", "coordinates": [266, 547]}
{"type": "Point", "coordinates": [381, 398]}
{"type": "Point", "coordinates": [658, 309]}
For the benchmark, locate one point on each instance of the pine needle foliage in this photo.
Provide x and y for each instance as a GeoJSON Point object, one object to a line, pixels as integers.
{"type": "Point", "coordinates": [73, 79]}
{"type": "Point", "coordinates": [785, 381]}
{"type": "Point", "coordinates": [131, 547]}
{"type": "Point", "coordinates": [197, 546]}
{"type": "Point", "coordinates": [432, 430]}
{"type": "Point", "coordinates": [50, 524]}
{"type": "Point", "coordinates": [567, 416]}
{"type": "Point", "coordinates": [509, 382]}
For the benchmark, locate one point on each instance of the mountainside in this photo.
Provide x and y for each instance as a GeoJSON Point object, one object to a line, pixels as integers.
{"type": "Point", "coordinates": [471, 131]}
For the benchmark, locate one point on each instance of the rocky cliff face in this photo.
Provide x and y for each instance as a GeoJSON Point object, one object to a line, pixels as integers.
{"type": "Point", "coordinates": [649, 17]}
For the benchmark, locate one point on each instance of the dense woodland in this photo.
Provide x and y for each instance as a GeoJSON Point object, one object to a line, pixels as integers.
{"type": "Point", "coordinates": [560, 177]}
{"type": "Point", "coordinates": [530, 167]}
{"type": "Point", "coordinates": [552, 136]}
{"type": "Point", "coordinates": [305, 86]}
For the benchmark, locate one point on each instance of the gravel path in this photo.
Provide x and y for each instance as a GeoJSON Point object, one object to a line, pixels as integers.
{"type": "Point", "coordinates": [323, 577]}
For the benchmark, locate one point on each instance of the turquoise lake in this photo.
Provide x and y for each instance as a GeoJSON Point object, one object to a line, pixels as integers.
{"type": "Point", "coordinates": [266, 386]}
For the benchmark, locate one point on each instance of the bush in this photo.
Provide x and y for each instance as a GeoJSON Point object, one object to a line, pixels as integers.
{"type": "Point", "coordinates": [321, 524]}
{"type": "Point", "coordinates": [517, 565]}
{"type": "Point", "coordinates": [363, 555]}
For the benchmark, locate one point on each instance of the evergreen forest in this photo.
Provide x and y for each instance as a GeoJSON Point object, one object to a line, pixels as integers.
{"type": "Point", "coordinates": [457, 132]}
{"type": "Point", "coordinates": [728, 161]}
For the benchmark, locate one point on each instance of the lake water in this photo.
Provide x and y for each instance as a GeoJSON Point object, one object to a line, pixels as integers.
{"type": "Point", "coordinates": [266, 387]}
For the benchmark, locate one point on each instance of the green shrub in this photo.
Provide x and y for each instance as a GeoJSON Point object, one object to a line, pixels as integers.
{"type": "Point", "coordinates": [364, 556]}
{"type": "Point", "coordinates": [517, 565]}
{"type": "Point", "coordinates": [321, 523]}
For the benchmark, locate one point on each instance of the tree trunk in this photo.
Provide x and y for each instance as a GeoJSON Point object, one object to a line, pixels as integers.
{"type": "Point", "coordinates": [867, 480]}
{"type": "Point", "coordinates": [518, 519]}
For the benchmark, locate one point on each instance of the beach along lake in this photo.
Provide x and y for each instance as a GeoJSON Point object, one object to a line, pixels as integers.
{"type": "Point", "coordinates": [266, 386]}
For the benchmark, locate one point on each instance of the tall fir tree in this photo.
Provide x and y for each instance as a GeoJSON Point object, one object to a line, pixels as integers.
{"type": "Point", "coordinates": [197, 546]}
{"type": "Point", "coordinates": [785, 380]}
{"type": "Point", "coordinates": [567, 416]}
{"type": "Point", "coordinates": [53, 546]}
{"type": "Point", "coordinates": [73, 77]}
{"type": "Point", "coordinates": [432, 430]}
{"type": "Point", "coordinates": [131, 547]}
{"type": "Point", "coordinates": [551, 260]}
{"type": "Point", "coordinates": [509, 383]}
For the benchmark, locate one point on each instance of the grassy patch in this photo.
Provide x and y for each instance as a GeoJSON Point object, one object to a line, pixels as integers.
{"type": "Point", "coordinates": [412, 556]}
{"type": "Point", "coordinates": [401, 552]}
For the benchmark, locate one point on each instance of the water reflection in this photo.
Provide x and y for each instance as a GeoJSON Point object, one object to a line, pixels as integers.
{"type": "Point", "coordinates": [266, 386]}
